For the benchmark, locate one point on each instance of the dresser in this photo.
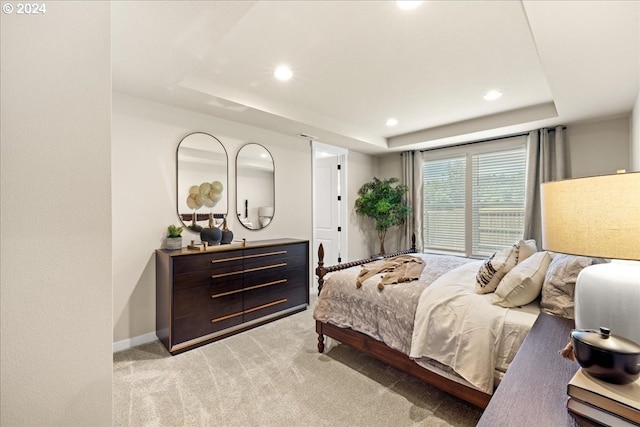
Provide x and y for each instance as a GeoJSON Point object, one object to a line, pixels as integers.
{"type": "Point", "coordinates": [205, 296]}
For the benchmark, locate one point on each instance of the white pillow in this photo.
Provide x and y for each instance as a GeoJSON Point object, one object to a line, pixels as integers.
{"type": "Point", "coordinates": [494, 269]}
{"type": "Point", "coordinates": [523, 283]}
{"type": "Point", "coordinates": [526, 248]}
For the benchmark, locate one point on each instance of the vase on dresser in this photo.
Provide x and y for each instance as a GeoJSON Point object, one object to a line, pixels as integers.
{"type": "Point", "coordinates": [212, 234]}
{"type": "Point", "coordinates": [227, 235]}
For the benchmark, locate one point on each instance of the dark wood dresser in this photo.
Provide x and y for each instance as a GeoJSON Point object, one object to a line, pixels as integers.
{"type": "Point", "coordinates": [205, 296]}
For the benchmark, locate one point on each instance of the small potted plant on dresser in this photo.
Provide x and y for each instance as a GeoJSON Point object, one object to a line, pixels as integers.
{"type": "Point", "coordinates": [174, 237]}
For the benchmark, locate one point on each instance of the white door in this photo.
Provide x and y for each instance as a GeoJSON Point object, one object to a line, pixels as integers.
{"type": "Point", "coordinates": [327, 209]}
{"type": "Point", "coordinates": [330, 204]}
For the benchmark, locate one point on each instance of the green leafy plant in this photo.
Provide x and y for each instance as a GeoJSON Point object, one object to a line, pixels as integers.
{"type": "Point", "coordinates": [174, 231]}
{"type": "Point", "coordinates": [384, 201]}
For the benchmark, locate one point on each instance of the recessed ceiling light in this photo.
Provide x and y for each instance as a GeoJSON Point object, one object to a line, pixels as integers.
{"type": "Point", "coordinates": [492, 95]}
{"type": "Point", "coordinates": [391, 122]}
{"type": "Point", "coordinates": [283, 73]}
{"type": "Point", "coordinates": [408, 4]}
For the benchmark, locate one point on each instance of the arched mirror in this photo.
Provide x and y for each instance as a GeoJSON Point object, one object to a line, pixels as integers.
{"type": "Point", "coordinates": [202, 176]}
{"type": "Point", "coordinates": [255, 186]}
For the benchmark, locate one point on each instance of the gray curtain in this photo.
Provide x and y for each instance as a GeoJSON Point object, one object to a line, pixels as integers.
{"type": "Point", "coordinates": [412, 178]}
{"type": "Point", "coordinates": [545, 162]}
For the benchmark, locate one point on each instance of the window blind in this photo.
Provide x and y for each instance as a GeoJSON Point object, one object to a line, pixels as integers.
{"type": "Point", "coordinates": [444, 204]}
{"type": "Point", "coordinates": [474, 200]}
{"type": "Point", "coordinates": [498, 200]}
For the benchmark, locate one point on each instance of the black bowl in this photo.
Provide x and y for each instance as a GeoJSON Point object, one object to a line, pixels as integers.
{"type": "Point", "coordinates": [607, 357]}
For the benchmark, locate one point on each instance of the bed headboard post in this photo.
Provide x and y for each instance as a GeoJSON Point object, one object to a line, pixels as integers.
{"type": "Point", "coordinates": [320, 271]}
{"type": "Point", "coordinates": [413, 243]}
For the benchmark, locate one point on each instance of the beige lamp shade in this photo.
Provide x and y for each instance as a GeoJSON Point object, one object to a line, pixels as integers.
{"type": "Point", "coordinates": [596, 216]}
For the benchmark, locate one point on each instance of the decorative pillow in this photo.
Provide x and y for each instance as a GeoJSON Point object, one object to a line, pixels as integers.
{"type": "Point", "coordinates": [494, 269]}
{"type": "Point", "coordinates": [560, 281]}
{"type": "Point", "coordinates": [523, 283]}
{"type": "Point", "coordinates": [526, 248]}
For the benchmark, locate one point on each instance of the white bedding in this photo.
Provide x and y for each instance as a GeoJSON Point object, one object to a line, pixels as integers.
{"type": "Point", "coordinates": [463, 330]}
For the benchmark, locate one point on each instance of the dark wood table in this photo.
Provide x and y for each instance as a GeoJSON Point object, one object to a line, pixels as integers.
{"type": "Point", "coordinates": [534, 389]}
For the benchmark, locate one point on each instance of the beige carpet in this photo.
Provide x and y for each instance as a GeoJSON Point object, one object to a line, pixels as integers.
{"type": "Point", "coordinates": [274, 376]}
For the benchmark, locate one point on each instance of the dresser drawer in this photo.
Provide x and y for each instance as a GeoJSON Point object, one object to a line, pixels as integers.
{"type": "Point", "coordinates": [221, 296]}
{"type": "Point", "coordinates": [221, 260]}
{"type": "Point", "coordinates": [206, 277]}
{"type": "Point", "coordinates": [200, 324]}
{"type": "Point", "coordinates": [286, 255]}
{"type": "Point", "coordinates": [273, 276]}
{"type": "Point", "coordinates": [264, 301]}
{"type": "Point", "coordinates": [265, 287]}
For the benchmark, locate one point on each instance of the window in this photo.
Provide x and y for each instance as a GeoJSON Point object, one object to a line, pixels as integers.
{"type": "Point", "coordinates": [474, 197]}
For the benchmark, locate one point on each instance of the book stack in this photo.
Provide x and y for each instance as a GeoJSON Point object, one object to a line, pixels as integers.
{"type": "Point", "coordinates": [609, 404]}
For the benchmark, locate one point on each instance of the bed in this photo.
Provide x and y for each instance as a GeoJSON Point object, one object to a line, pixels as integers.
{"type": "Point", "coordinates": [439, 328]}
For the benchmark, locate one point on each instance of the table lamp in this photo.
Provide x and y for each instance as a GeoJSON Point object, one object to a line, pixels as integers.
{"type": "Point", "coordinates": [599, 216]}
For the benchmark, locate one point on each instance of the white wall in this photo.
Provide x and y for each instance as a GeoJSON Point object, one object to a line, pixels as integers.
{"type": "Point", "coordinates": [56, 320]}
{"type": "Point", "coordinates": [635, 136]}
{"type": "Point", "coordinates": [145, 136]}
{"type": "Point", "coordinates": [598, 147]}
{"type": "Point", "coordinates": [363, 241]}
{"type": "Point", "coordinates": [635, 125]}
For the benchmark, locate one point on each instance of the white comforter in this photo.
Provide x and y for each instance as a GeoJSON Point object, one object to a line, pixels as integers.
{"type": "Point", "coordinates": [458, 327]}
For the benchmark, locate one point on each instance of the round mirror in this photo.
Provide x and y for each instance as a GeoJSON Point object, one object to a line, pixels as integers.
{"type": "Point", "coordinates": [255, 192]}
{"type": "Point", "coordinates": [202, 180]}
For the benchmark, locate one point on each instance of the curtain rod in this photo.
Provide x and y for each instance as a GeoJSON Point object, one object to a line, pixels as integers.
{"type": "Point", "coordinates": [462, 144]}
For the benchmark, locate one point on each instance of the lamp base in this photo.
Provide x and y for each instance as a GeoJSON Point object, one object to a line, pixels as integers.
{"type": "Point", "coordinates": [608, 295]}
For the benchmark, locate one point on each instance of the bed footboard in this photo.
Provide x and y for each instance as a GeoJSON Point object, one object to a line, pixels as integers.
{"type": "Point", "coordinates": [400, 361]}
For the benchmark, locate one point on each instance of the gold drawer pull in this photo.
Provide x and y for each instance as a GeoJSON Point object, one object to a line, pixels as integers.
{"type": "Point", "coordinates": [260, 307]}
{"type": "Point", "coordinates": [214, 261]}
{"type": "Point", "coordinates": [266, 254]}
{"type": "Point", "coordinates": [229, 316]}
{"type": "Point", "coordinates": [266, 267]}
{"type": "Point", "coordinates": [276, 282]}
{"type": "Point", "coordinates": [240, 313]}
{"type": "Point", "coordinates": [216, 276]}
{"type": "Point", "coordinates": [235, 258]}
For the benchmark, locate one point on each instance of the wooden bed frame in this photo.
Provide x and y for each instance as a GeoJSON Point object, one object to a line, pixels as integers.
{"type": "Point", "coordinates": [381, 351]}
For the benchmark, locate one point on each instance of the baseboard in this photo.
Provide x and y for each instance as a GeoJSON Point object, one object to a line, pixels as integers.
{"type": "Point", "coordinates": [133, 342]}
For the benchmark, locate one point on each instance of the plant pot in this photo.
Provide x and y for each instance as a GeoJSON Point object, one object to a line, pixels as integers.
{"type": "Point", "coordinates": [174, 243]}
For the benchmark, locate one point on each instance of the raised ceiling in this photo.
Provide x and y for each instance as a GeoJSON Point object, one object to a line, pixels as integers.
{"type": "Point", "coordinates": [358, 63]}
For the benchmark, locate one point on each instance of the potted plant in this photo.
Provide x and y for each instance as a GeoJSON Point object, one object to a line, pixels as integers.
{"type": "Point", "coordinates": [384, 201]}
{"type": "Point", "coordinates": [174, 237]}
